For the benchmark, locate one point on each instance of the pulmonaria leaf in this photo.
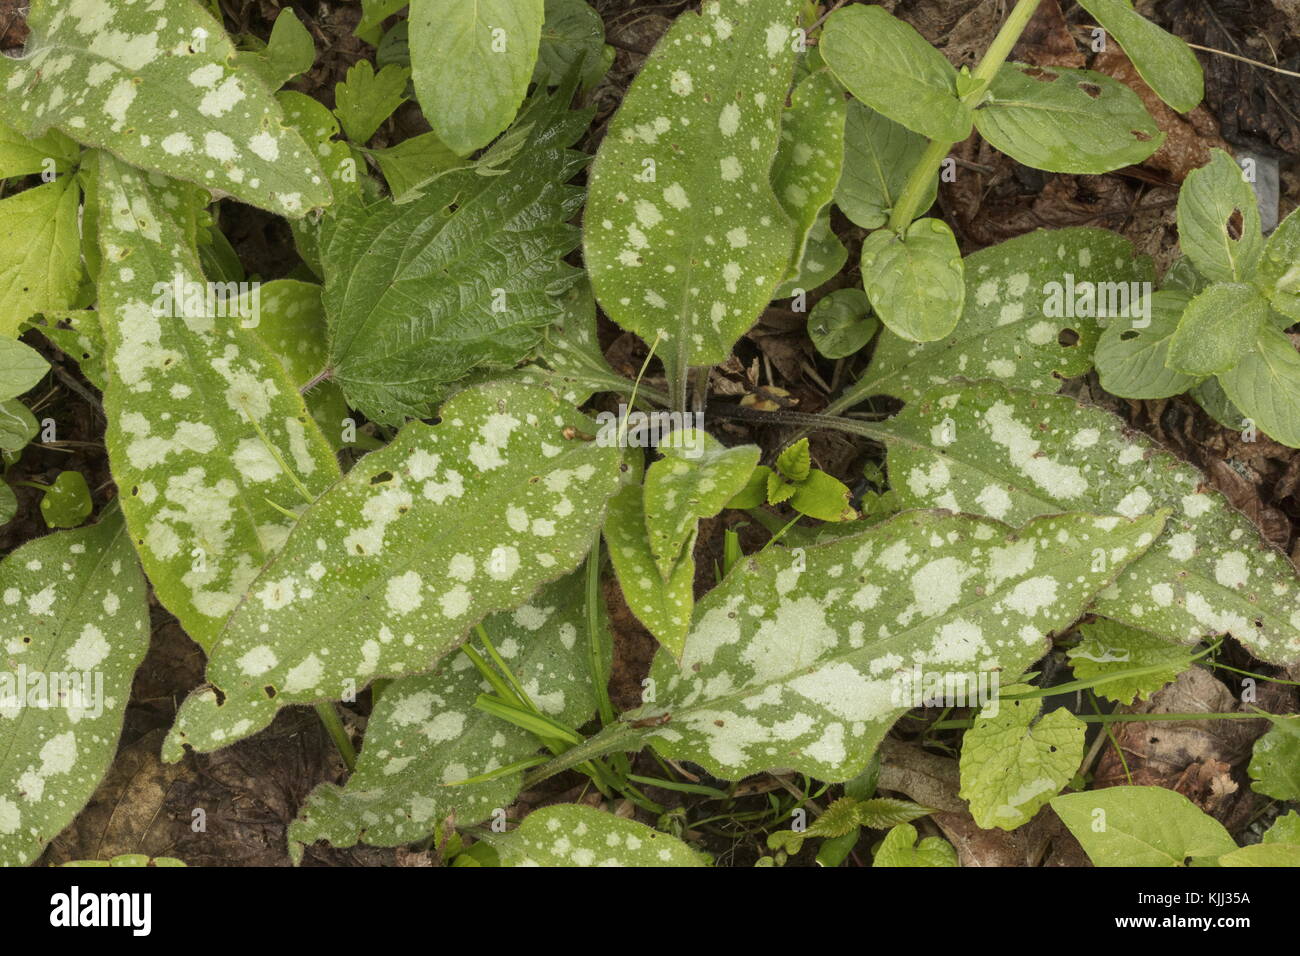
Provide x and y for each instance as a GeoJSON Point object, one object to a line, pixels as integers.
{"type": "Point", "coordinates": [1279, 269]}
{"type": "Point", "coordinates": [1131, 355]}
{"type": "Point", "coordinates": [1141, 826]}
{"type": "Point", "coordinates": [1265, 386]}
{"type": "Point", "coordinates": [390, 569]}
{"type": "Point", "coordinates": [1163, 60]}
{"type": "Point", "coordinates": [1109, 647]}
{"type": "Point", "coordinates": [1066, 121]}
{"type": "Point", "coordinates": [1013, 761]}
{"type": "Point", "coordinates": [1218, 221]}
{"type": "Point", "coordinates": [472, 64]}
{"type": "Point", "coordinates": [470, 274]}
{"type": "Point", "coordinates": [75, 622]}
{"type": "Point", "coordinates": [949, 593]}
{"type": "Point", "coordinates": [1011, 454]}
{"type": "Point", "coordinates": [915, 281]}
{"type": "Point", "coordinates": [365, 99]}
{"type": "Point", "coordinates": [1217, 329]}
{"type": "Point", "coordinates": [425, 734]}
{"type": "Point", "coordinates": [21, 367]}
{"type": "Point", "coordinates": [1033, 311]}
{"type": "Point", "coordinates": [810, 157]}
{"type": "Point", "coordinates": [208, 440]}
{"type": "Point", "coordinates": [156, 84]}
{"type": "Point", "coordinates": [886, 64]}
{"type": "Point", "coordinates": [1275, 762]}
{"type": "Point", "coordinates": [900, 848]}
{"type": "Point", "coordinates": [684, 236]}
{"type": "Point", "coordinates": [40, 251]}
{"type": "Point", "coordinates": [879, 156]}
{"type": "Point", "coordinates": [574, 835]}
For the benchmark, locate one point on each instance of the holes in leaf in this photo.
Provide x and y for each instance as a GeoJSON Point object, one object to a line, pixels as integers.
{"type": "Point", "coordinates": [1038, 73]}
{"type": "Point", "coordinates": [1235, 223]}
{"type": "Point", "coordinates": [382, 478]}
{"type": "Point", "coordinates": [1067, 338]}
{"type": "Point", "coordinates": [1092, 89]}
{"type": "Point", "coordinates": [1141, 136]}
{"type": "Point", "coordinates": [1128, 334]}
{"type": "Point", "coordinates": [269, 690]}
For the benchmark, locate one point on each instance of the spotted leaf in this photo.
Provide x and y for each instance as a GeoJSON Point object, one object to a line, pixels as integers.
{"type": "Point", "coordinates": [573, 835]}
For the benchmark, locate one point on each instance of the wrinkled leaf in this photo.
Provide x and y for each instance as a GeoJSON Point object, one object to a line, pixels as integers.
{"type": "Point", "coordinates": [900, 848]}
{"type": "Point", "coordinates": [1218, 327]}
{"type": "Point", "coordinates": [1265, 386]}
{"type": "Point", "coordinates": [915, 282]}
{"type": "Point", "coordinates": [1109, 647]}
{"type": "Point", "coordinates": [40, 258]}
{"type": "Point", "coordinates": [1279, 269]}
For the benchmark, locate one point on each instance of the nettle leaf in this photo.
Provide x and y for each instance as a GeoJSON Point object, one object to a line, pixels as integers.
{"type": "Point", "coordinates": [571, 31]}
{"type": "Point", "coordinates": [1165, 61]}
{"type": "Point", "coordinates": [1218, 327]}
{"type": "Point", "coordinates": [1011, 454]}
{"type": "Point", "coordinates": [1029, 318]}
{"type": "Point", "coordinates": [574, 835]}
{"type": "Point", "coordinates": [900, 848]}
{"type": "Point", "coordinates": [1265, 386]}
{"type": "Point", "coordinates": [811, 154]}
{"type": "Point", "coordinates": [22, 156]}
{"type": "Point", "coordinates": [40, 252]}
{"type": "Point", "coordinates": [1109, 647]}
{"type": "Point", "coordinates": [1218, 221]}
{"type": "Point", "coordinates": [879, 156]}
{"type": "Point", "coordinates": [841, 323]}
{"type": "Point", "coordinates": [208, 439]}
{"type": "Point", "coordinates": [950, 593]}
{"type": "Point", "coordinates": [1141, 826]}
{"type": "Point", "coordinates": [157, 85]}
{"type": "Point", "coordinates": [1014, 761]}
{"type": "Point", "coordinates": [76, 625]}
{"type": "Point", "coordinates": [21, 367]}
{"type": "Point", "coordinates": [1279, 269]}
{"type": "Point", "coordinates": [1131, 355]}
{"type": "Point", "coordinates": [1066, 121]}
{"type": "Point", "coordinates": [914, 281]}
{"type": "Point", "coordinates": [886, 64]}
{"type": "Point", "coordinates": [470, 274]}
{"type": "Point", "coordinates": [685, 237]}
{"type": "Point", "coordinates": [365, 99]}
{"type": "Point", "coordinates": [391, 567]}
{"type": "Point", "coordinates": [1275, 762]}
{"type": "Point", "coordinates": [472, 63]}
{"type": "Point", "coordinates": [425, 733]}
{"type": "Point", "coordinates": [824, 256]}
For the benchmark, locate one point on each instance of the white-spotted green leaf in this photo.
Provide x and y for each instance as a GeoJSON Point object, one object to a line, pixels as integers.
{"type": "Point", "coordinates": [879, 155]}
{"type": "Point", "coordinates": [1218, 221]}
{"type": "Point", "coordinates": [157, 85]}
{"type": "Point", "coordinates": [841, 323]}
{"type": "Point", "coordinates": [886, 64]}
{"type": "Point", "coordinates": [808, 162]}
{"type": "Point", "coordinates": [1015, 759]}
{"type": "Point", "coordinates": [794, 660]}
{"type": "Point", "coordinates": [1012, 454]}
{"type": "Point", "coordinates": [1279, 269]}
{"type": "Point", "coordinates": [75, 625]}
{"type": "Point", "coordinates": [1131, 353]}
{"type": "Point", "coordinates": [900, 848]}
{"type": "Point", "coordinates": [1030, 315]}
{"type": "Point", "coordinates": [425, 733]}
{"type": "Point", "coordinates": [208, 439]}
{"type": "Point", "coordinates": [1141, 826]}
{"type": "Point", "coordinates": [21, 367]}
{"type": "Point", "coordinates": [1066, 121]}
{"type": "Point", "coordinates": [915, 281]}
{"type": "Point", "coordinates": [1165, 61]}
{"type": "Point", "coordinates": [40, 252]}
{"type": "Point", "coordinates": [472, 63]}
{"type": "Point", "coordinates": [391, 567]}
{"type": "Point", "coordinates": [662, 603]}
{"type": "Point", "coordinates": [574, 835]}
{"type": "Point", "coordinates": [572, 31]}
{"type": "Point", "coordinates": [1265, 386]}
{"type": "Point", "coordinates": [823, 257]}
{"type": "Point", "coordinates": [365, 99]}
{"type": "Point", "coordinates": [1110, 648]}
{"type": "Point", "coordinates": [1218, 327]}
{"type": "Point", "coordinates": [1275, 762]}
{"type": "Point", "coordinates": [468, 275]}
{"type": "Point", "coordinates": [21, 156]}
{"type": "Point", "coordinates": [684, 236]}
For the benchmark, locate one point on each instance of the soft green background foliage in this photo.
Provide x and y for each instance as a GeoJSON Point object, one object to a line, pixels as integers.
{"type": "Point", "coordinates": [1109, 647]}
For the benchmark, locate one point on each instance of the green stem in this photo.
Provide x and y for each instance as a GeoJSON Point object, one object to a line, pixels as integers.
{"type": "Point", "coordinates": [614, 738]}
{"type": "Point", "coordinates": [329, 716]}
{"type": "Point", "coordinates": [1119, 719]}
{"type": "Point", "coordinates": [594, 635]}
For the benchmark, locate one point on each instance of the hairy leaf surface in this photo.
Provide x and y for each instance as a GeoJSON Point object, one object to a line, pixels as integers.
{"type": "Point", "coordinates": [1265, 385]}
{"type": "Point", "coordinates": [901, 848]}
{"type": "Point", "coordinates": [1218, 327]}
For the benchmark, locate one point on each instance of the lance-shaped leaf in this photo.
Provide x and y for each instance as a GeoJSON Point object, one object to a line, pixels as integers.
{"type": "Point", "coordinates": [684, 236]}
{"type": "Point", "coordinates": [808, 162]}
{"type": "Point", "coordinates": [1275, 761]}
{"type": "Point", "coordinates": [1031, 315]}
{"type": "Point", "coordinates": [1111, 648]}
{"type": "Point", "coordinates": [1279, 269]}
{"type": "Point", "coordinates": [1131, 355]}
{"type": "Point", "coordinates": [1013, 761]}
{"type": "Point", "coordinates": [1165, 61]}
{"type": "Point", "coordinates": [879, 155]}
{"type": "Point", "coordinates": [1141, 826]}
{"type": "Point", "coordinates": [886, 64]}
{"type": "Point", "coordinates": [472, 63]}
{"type": "Point", "coordinates": [1066, 121]}
{"type": "Point", "coordinates": [1218, 221]}
{"type": "Point", "coordinates": [823, 257]}
{"type": "Point", "coordinates": [901, 848]}
{"type": "Point", "coordinates": [426, 735]}
{"type": "Point", "coordinates": [391, 567]}
{"type": "Point", "coordinates": [1265, 385]}
{"type": "Point", "coordinates": [40, 252]}
{"type": "Point", "coordinates": [1217, 329]}
{"type": "Point", "coordinates": [157, 85]}
{"type": "Point", "coordinates": [915, 281]}
{"type": "Point", "coordinates": [574, 835]}
{"type": "Point", "coordinates": [76, 625]}
{"type": "Point", "coordinates": [208, 439]}
{"type": "Point", "coordinates": [1012, 454]}
{"type": "Point", "coordinates": [801, 659]}
{"type": "Point", "coordinates": [467, 275]}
